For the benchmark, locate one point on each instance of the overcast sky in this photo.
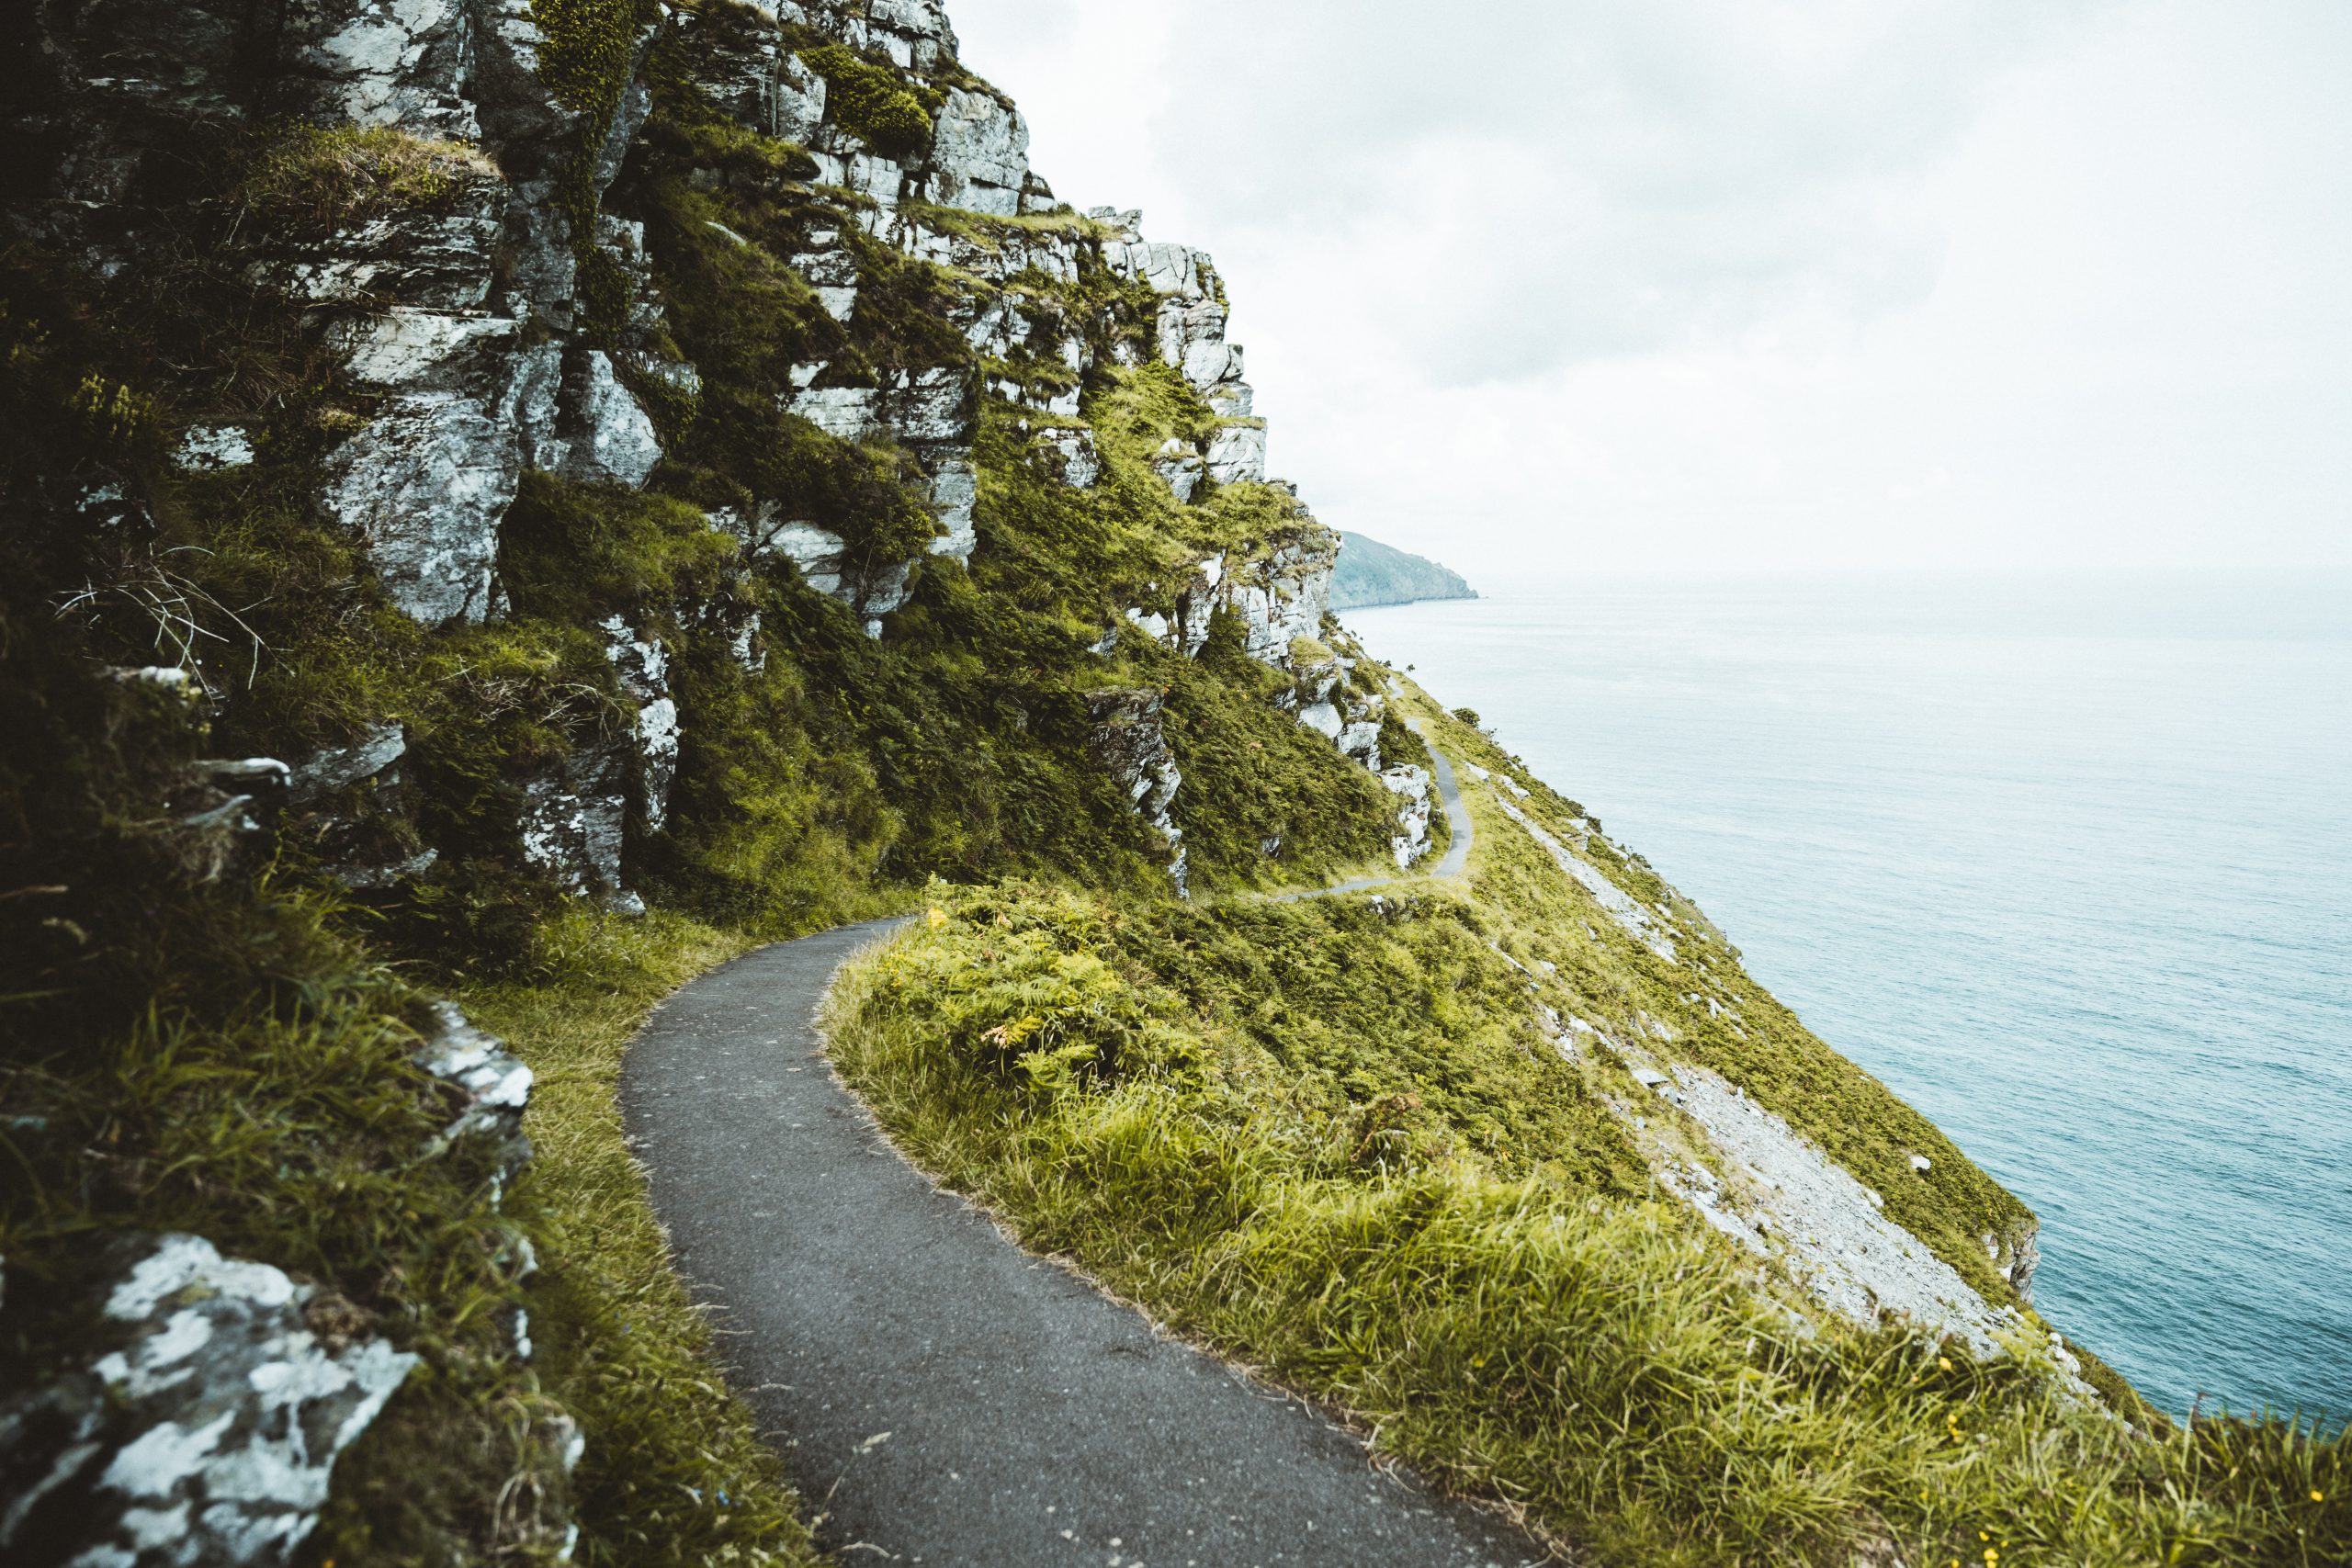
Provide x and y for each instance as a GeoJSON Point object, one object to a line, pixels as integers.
{"type": "Point", "coordinates": [1561, 284]}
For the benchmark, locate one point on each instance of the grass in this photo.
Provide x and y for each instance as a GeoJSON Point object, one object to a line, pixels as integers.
{"type": "Point", "coordinates": [675, 1472]}
{"type": "Point", "coordinates": [869, 101]}
{"type": "Point", "coordinates": [1609, 978]}
{"type": "Point", "coordinates": [315, 179]}
{"type": "Point", "coordinates": [1233, 1116]}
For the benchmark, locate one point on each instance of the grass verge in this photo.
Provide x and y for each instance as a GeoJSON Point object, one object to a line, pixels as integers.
{"type": "Point", "coordinates": [675, 1472]}
{"type": "Point", "coordinates": [1524, 1328]}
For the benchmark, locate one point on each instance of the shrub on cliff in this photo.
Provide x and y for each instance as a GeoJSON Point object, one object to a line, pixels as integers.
{"type": "Point", "coordinates": [316, 179]}
{"type": "Point", "coordinates": [868, 101]}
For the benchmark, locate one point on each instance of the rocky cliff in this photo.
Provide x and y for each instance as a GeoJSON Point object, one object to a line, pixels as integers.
{"type": "Point", "coordinates": [777, 294]}
{"type": "Point", "coordinates": [478, 460]}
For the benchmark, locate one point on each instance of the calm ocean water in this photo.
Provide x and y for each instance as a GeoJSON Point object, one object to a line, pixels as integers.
{"type": "Point", "coordinates": [2066, 862]}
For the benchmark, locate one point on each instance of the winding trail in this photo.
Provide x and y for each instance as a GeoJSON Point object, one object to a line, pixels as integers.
{"type": "Point", "coordinates": [950, 1398]}
{"type": "Point", "coordinates": [1457, 850]}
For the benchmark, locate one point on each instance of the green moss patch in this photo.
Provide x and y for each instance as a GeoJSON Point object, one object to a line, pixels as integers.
{"type": "Point", "coordinates": [870, 101]}
{"type": "Point", "coordinates": [315, 179]}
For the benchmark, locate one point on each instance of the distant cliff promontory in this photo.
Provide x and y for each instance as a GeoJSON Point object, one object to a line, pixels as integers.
{"type": "Point", "coordinates": [1371, 573]}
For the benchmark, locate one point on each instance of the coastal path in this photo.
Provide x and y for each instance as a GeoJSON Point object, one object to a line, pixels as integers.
{"type": "Point", "coordinates": [952, 1399]}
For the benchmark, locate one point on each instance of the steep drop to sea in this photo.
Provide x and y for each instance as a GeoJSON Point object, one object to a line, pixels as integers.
{"type": "Point", "coordinates": [2067, 862]}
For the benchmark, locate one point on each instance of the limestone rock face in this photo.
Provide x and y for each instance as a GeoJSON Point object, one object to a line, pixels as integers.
{"type": "Point", "coordinates": [351, 801]}
{"type": "Point", "coordinates": [400, 63]}
{"type": "Point", "coordinates": [1279, 596]}
{"type": "Point", "coordinates": [1238, 456]}
{"type": "Point", "coordinates": [826, 561]}
{"type": "Point", "coordinates": [998, 259]}
{"type": "Point", "coordinates": [1411, 841]}
{"type": "Point", "coordinates": [643, 665]}
{"type": "Point", "coordinates": [931, 413]}
{"type": "Point", "coordinates": [980, 156]}
{"type": "Point", "coordinates": [926, 408]}
{"type": "Point", "coordinates": [1182, 468]}
{"type": "Point", "coordinates": [749, 75]}
{"type": "Point", "coordinates": [1129, 741]}
{"type": "Point", "coordinates": [215, 446]}
{"type": "Point", "coordinates": [334, 768]}
{"type": "Point", "coordinates": [1191, 337]}
{"type": "Point", "coordinates": [425, 488]}
{"type": "Point", "coordinates": [207, 1431]}
{"type": "Point", "coordinates": [425, 259]}
{"type": "Point", "coordinates": [493, 1088]}
{"type": "Point", "coordinates": [439, 295]}
{"type": "Point", "coordinates": [1283, 597]}
{"type": "Point", "coordinates": [831, 269]}
{"type": "Point", "coordinates": [848, 165]}
{"type": "Point", "coordinates": [575, 821]}
{"type": "Point", "coordinates": [956, 495]}
{"type": "Point", "coordinates": [607, 437]}
{"type": "Point", "coordinates": [845, 413]}
{"type": "Point", "coordinates": [422, 350]}
{"type": "Point", "coordinates": [914, 33]}
{"type": "Point", "coordinates": [1081, 462]}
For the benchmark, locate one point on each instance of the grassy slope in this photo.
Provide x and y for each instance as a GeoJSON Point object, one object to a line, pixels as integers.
{"type": "Point", "coordinates": [1330, 1139]}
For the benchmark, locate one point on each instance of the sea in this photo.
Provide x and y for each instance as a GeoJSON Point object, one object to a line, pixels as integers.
{"type": "Point", "coordinates": [2066, 861]}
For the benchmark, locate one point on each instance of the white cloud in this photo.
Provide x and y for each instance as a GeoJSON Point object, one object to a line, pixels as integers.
{"type": "Point", "coordinates": [1799, 282]}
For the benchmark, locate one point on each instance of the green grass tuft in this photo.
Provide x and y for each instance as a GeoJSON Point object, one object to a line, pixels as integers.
{"type": "Point", "coordinates": [869, 101]}
{"type": "Point", "coordinates": [316, 179]}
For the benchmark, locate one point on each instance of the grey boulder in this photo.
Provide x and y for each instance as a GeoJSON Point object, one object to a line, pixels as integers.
{"type": "Point", "coordinates": [205, 1434]}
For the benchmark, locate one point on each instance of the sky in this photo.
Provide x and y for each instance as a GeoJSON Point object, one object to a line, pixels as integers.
{"type": "Point", "coordinates": [1556, 285]}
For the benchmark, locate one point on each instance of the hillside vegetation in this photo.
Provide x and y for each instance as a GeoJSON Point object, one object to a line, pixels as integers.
{"type": "Point", "coordinates": [1346, 1142]}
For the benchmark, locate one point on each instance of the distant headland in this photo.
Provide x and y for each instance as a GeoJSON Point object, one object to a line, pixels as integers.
{"type": "Point", "coordinates": [1371, 574]}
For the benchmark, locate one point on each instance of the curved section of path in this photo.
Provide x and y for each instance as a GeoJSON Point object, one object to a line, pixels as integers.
{"type": "Point", "coordinates": [951, 1399]}
{"type": "Point", "coordinates": [1457, 815]}
{"type": "Point", "coordinates": [1458, 848]}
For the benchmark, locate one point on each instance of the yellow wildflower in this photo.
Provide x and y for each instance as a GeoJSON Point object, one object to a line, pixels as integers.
{"type": "Point", "coordinates": [2318, 1495]}
{"type": "Point", "coordinates": [938, 918]}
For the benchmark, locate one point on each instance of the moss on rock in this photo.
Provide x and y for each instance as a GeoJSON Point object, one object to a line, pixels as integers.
{"type": "Point", "coordinates": [870, 101]}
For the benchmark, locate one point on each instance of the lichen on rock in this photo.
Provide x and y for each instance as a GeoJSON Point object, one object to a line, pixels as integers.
{"type": "Point", "coordinates": [208, 1430]}
{"type": "Point", "coordinates": [1130, 740]}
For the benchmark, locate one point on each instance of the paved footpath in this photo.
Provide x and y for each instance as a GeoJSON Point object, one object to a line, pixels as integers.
{"type": "Point", "coordinates": [1458, 848]}
{"type": "Point", "coordinates": [950, 1399]}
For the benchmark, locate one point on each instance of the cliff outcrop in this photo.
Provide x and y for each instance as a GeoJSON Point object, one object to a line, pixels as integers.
{"type": "Point", "coordinates": [591, 454]}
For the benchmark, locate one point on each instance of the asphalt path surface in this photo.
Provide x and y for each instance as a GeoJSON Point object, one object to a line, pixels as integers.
{"type": "Point", "coordinates": [944, 1396]}
{"type": "Point", "coordinates": [1458, 848]}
